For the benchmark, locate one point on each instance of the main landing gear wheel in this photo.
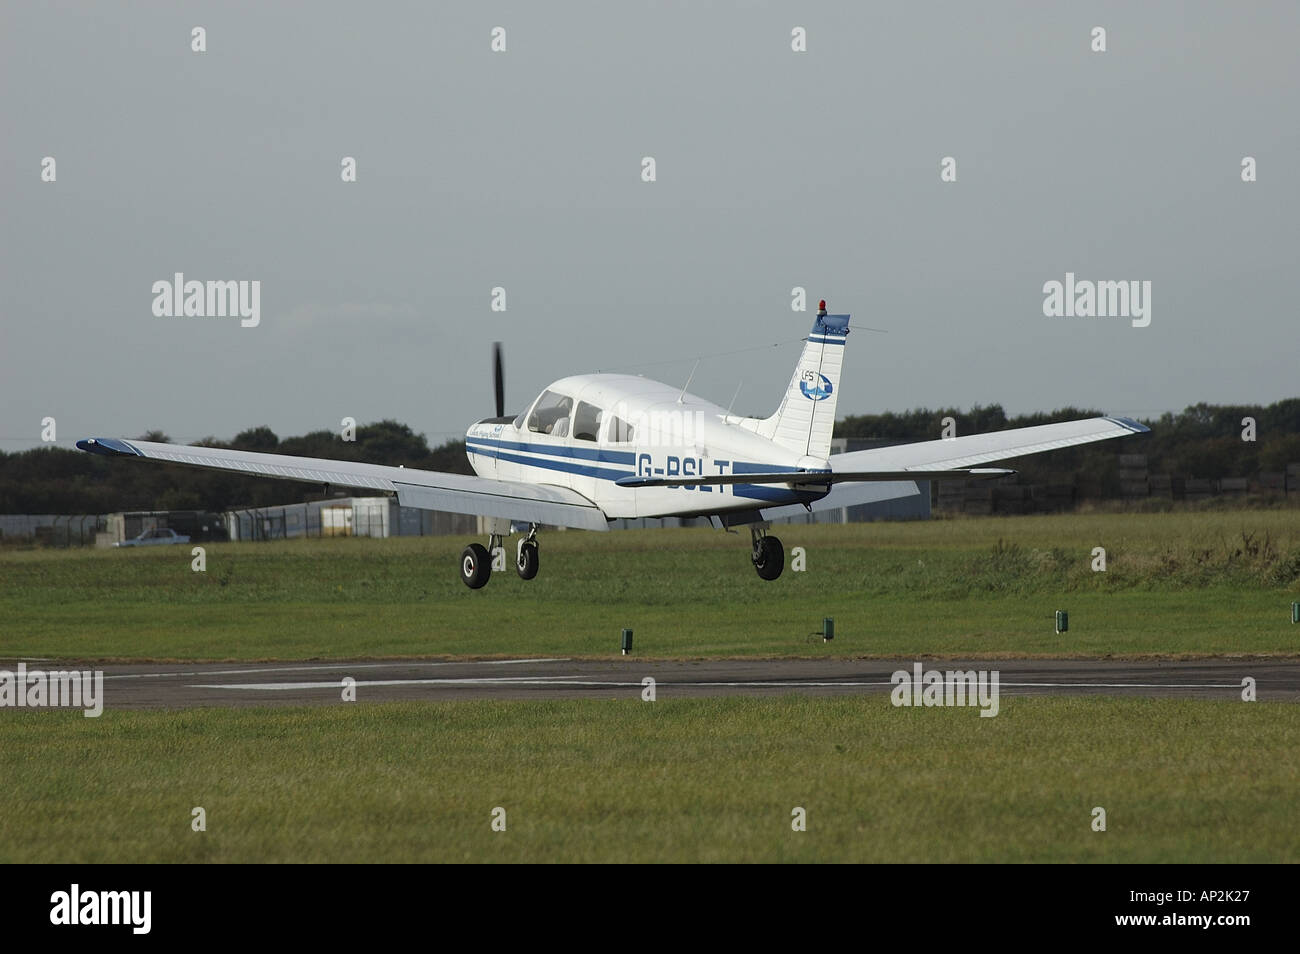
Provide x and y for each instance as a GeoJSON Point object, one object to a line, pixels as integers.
{"type": "Point", "coordinates": [769, 556]}
{"type": "Point", "coordinates": [475, 566]}
{"type": "Point", "coordinates": [527, 562]}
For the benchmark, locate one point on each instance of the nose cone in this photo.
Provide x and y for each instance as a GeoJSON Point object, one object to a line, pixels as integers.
{"type": "Point", "coordinates": [478, 450]}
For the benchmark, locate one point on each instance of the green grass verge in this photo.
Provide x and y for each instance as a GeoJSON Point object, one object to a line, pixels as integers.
{"type": "Point", "coordinates": [680, 780]}
{"type": "Point", "coordinates": [1194, 583]}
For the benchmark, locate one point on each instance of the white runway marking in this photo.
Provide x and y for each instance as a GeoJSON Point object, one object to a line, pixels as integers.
{"type": "Point", "coordinates": [559, 681]}
{"type": "Point", "coordinates": [325, 667]}
{"type": "Point", "coordinates": [463, 680]}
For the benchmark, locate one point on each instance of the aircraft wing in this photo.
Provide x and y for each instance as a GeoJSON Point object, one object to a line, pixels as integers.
{"type": "Point", "coordinates": [890, 473]}
{"type": "Point", "coordinates": [958, 452]}
{"type": "Point", "coordinates": [969, 452]}
{"type": "Point", "coordinates": [423, 489]}
{"type": "Point", "coordinates": [952, 459]}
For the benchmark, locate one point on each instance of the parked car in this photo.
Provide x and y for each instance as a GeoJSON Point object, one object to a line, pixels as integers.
{"type": "Point", "coordinates": [155, 536]}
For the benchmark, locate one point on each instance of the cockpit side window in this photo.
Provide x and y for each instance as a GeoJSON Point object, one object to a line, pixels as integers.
{"type": "Point", "coordinates": [551, 409]}
{"type": "Point", "coordinates": [586, 421]}
{"type": "Point", "coordinates": [619, 431]}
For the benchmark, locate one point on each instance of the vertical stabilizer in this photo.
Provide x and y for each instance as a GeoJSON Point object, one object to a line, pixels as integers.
{"type": "Point", "coordinates": [806, 417]}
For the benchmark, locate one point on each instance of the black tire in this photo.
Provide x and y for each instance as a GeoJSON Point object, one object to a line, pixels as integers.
{"type": "Point", "coordinates": [769, 561]}
{"type": "Point", "coordinates": [475, 566]}
{"type": "Point", "coordinates": [527, 562]}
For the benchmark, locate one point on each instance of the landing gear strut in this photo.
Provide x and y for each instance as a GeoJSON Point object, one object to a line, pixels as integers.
{"type": "Point", "coordinates": [769, 555]}
{"type": "Point", "coordinates": [476, 559]}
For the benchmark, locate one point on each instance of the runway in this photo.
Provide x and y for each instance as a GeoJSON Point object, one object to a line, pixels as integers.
{"type": "Point", "coordinates": [185, 685]}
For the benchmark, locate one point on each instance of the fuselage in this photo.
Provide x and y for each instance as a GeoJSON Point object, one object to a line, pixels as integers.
{"type": "Point", "coordinates": [587, 431]}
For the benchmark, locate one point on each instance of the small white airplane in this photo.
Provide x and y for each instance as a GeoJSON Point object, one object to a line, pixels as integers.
{"type": "Point", "coordinates": [598, 447]}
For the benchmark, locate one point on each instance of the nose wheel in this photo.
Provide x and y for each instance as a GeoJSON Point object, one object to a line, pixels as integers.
{"type": "Point", "coordinates": [768, 556]}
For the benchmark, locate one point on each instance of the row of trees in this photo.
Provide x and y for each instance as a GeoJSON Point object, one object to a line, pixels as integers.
{"type": "Point", "coordinates": [1203, 441]}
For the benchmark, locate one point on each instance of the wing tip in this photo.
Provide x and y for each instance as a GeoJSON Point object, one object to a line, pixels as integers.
{"type": "Point", "coordinates": [1135, 427]}
{"type": "Point", "coordinates": [108, 446]}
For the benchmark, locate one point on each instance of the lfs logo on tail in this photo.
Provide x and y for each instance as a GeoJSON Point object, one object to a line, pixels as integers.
{"type": "Point", "coordinates": [815, 392]}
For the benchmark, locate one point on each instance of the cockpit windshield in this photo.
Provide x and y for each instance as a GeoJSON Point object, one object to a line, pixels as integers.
{"type": "Point", "coordinates": [550, 414]}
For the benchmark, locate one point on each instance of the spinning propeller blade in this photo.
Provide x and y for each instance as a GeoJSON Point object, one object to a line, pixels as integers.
{"type": "Point", "coordinates": [499, 378]}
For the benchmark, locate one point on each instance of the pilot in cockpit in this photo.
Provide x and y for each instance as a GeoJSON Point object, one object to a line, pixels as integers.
{"type": "Point", "coordinates": [558, 425]}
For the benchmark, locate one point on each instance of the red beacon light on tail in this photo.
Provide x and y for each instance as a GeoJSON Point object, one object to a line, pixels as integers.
{"type": "Point", "coordinates": [821, 308]}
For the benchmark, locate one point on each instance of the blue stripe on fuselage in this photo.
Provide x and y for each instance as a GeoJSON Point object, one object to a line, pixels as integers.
{"type": "Point", "coordinates": [601, 473]}
{"type": "Point", "coordinates": [556, 450]}
{"type": "Point", "coordinates": [749, 491]}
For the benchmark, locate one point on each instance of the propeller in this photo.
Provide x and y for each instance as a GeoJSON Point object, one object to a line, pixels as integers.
{"type": "Point", "coordinates": [499, 378]}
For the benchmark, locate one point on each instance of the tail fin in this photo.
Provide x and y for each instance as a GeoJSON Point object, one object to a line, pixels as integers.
{"type": "Point", "coordinates": [806, 417]}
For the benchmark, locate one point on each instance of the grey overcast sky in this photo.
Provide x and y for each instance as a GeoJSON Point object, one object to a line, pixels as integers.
{"type": "Point", "coordinates": [523, 169]}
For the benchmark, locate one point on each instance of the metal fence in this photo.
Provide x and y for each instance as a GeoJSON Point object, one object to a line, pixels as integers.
{"type": "Point", "coordinates": [51, 530]}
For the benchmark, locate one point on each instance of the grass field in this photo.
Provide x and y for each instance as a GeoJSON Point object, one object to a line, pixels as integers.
{"type": "Point", "coordinates": [676, 780]}
{"type": "Point", "coordinates": [1206, 583]}
{"type": "Point", "coordinates": [683, 780]}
